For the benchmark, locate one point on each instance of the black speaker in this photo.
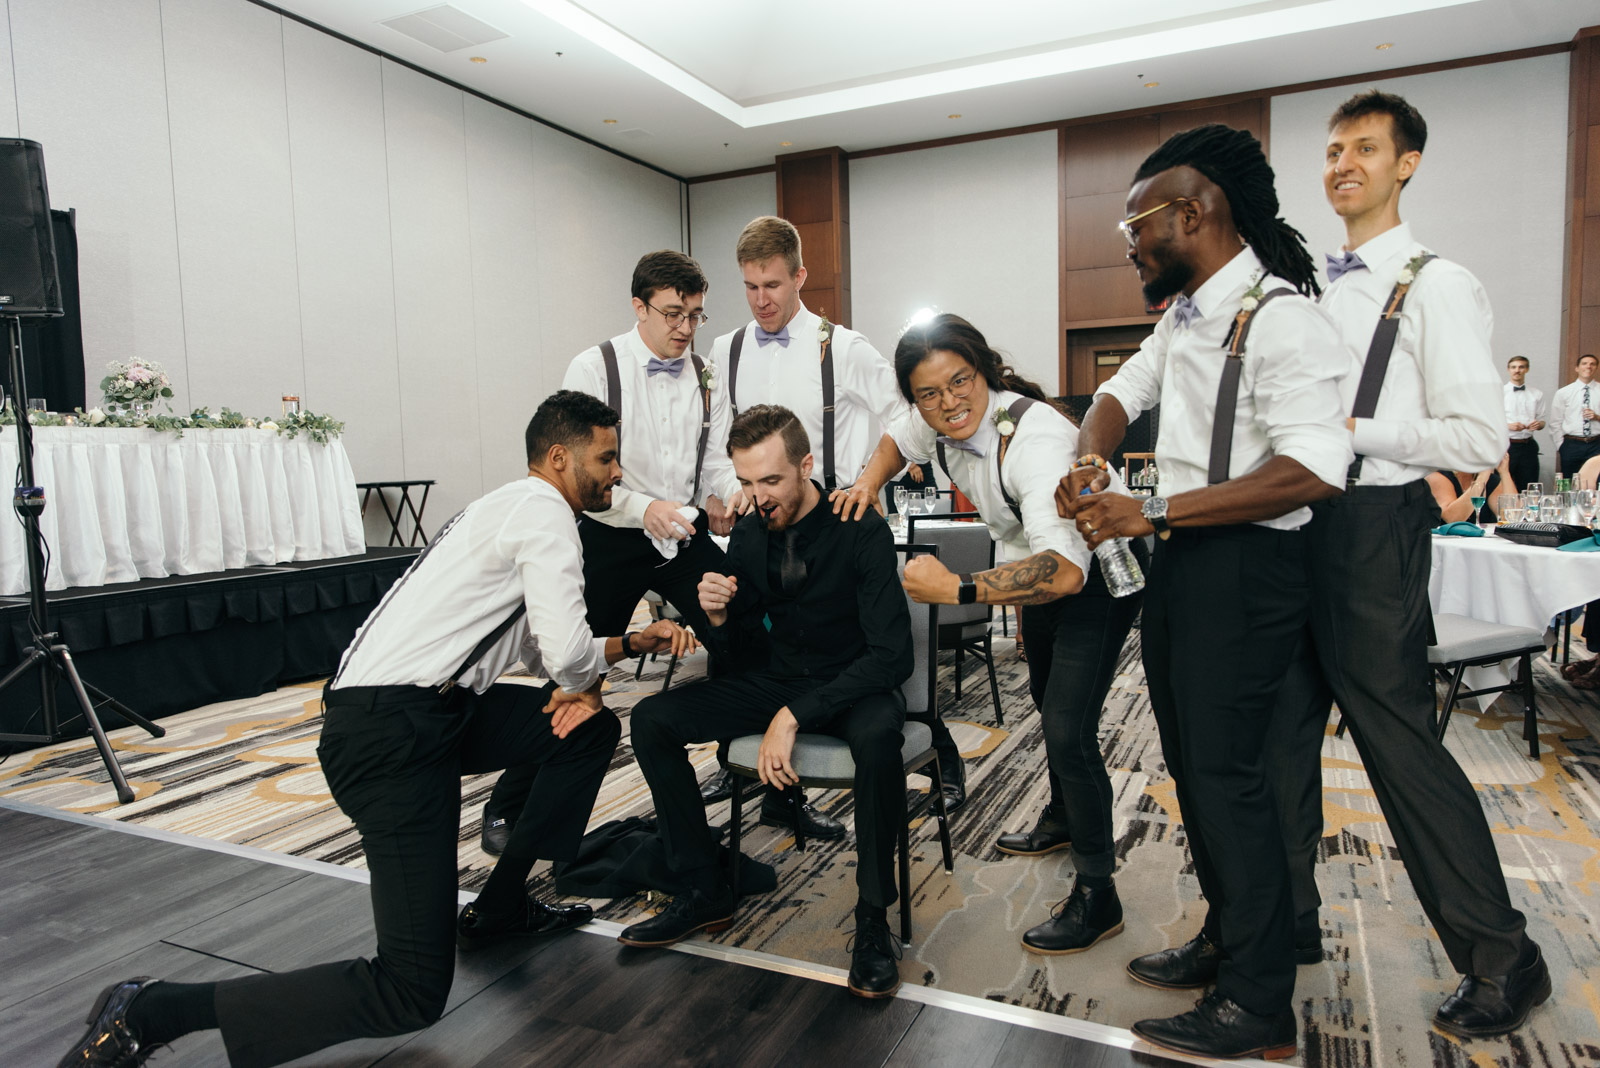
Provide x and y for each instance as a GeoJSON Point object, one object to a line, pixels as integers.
{"type": "Point", "coordinates": [29, 281]}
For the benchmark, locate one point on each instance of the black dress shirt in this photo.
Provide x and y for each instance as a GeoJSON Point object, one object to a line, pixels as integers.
{"type": "Point", "coordinates": [847, 627]}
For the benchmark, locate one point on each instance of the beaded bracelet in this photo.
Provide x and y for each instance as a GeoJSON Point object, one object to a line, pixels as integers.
{"type": "Point", "coordinates": [1092, 460]}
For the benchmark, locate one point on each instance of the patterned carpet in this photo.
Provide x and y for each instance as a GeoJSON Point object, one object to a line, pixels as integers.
{"type": "Point", "coordinates": [246, 772]}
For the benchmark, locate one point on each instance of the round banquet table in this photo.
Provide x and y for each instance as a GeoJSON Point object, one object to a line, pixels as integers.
{"type": "Point", "coordinates": [129, 504]}
{"type": "Point", "coordinates": [1499, 581]}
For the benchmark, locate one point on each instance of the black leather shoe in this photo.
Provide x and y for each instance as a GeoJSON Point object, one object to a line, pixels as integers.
{"type": "Point", "coordinates": [110, 1042]}
{"type": "Point", "coordinates": [874, 959]}
{"type": "Point", "coordinates": [1485, 1005]}
{"type": "Point", "coordinates": [476, 930]}
{"type": "Point", "coordinates": [720, 787]}
{"type": "Point", "coordinates": [954, 774]}
{"type": "Point", "coordinates": [496, 833]}
{"type": "Point", "coordinates": [1049, 835]}
{"type": "Point", "coordinates": [813, 824]}
{"type": "Point", "coordinates": [1218, 1026]}
{"type": "Point", "coordinates": [1078, 921]}
{"type": "Point", "coordinates": [1191, 965]}
{"type": "Point", "coordinates": [687, 914]}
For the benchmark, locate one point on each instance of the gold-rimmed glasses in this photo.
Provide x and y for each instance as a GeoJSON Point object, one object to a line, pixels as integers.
{"type": "Point", "coordinates": [1126, 225]}
{"type": "Point", "coordinates": [959, 387]}
{"type": "Point", "coordinates": [673, 318]}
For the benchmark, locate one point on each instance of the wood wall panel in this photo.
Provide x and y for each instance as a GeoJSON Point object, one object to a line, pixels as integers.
{"type": "Point", "coordinates": [814, 194]}
{"type": "Point", "coordinates": [1580, 321]}
{"type": "Point", "coordinates": [1240, 114]}
{"type": "Point", "coordinates": [1101, 157]}
{"type": "Point", "coordinates": [1091, 240]}
{"type": "Point", "coordinates": [1104, 293]}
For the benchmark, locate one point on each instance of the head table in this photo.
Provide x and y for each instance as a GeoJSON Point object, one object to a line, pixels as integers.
{"type": "Point", "coordinates": [1499, 581]}
{"type": "Point", "coordinates": [129, 504]}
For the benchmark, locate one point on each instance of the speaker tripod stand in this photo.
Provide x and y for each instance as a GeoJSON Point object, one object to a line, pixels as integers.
{"type": "Point", "coordinates": [48, 654]}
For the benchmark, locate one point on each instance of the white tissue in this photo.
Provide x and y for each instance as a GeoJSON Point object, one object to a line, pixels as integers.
{"type": "Point", "coordinates": [668, 547]}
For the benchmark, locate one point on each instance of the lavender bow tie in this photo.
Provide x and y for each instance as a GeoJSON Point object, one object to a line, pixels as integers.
{"type": "Point", "coordinates": [781, 337]}
{"type": "Point", "coordinates": [1184, 312]}
{"type": "Point", "coordinates": [967, 445]}
{"type": "Point", "coordinates": [1343, 264]}
{"type": "Point", "coordinates": [672, 367]}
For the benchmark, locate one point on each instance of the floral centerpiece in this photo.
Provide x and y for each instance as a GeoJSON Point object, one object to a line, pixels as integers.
{"type": "Point", "coordinates": [133, 387]}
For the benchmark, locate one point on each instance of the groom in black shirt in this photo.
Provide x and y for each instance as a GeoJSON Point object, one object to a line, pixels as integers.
{"type": "Point", "coordinates": [813, 618]}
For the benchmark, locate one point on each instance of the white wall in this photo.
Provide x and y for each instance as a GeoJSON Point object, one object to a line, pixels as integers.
{"type": "Point", "coordinates": [717, 212]}
{"type": "Point", "coordinates": [969, 229]}
{"type": "Point", "coordinates": [265, 209]}
{"type": "Point", "coordinates": [1490, 193]}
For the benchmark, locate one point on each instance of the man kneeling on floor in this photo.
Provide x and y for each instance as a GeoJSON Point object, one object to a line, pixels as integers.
{"type": "Point", "coordinates": [838, 648]}
{"type": "Point", "coordinates": [415, 706]}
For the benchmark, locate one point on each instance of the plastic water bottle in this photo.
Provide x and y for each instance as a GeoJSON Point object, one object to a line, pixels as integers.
{"type": "Point", "coordinates": [1118, 566]}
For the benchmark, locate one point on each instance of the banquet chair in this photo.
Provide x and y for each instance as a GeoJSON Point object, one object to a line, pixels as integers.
{"type": "Point", "coordinates": [964, 548]}
{"type": "Point", "coordinates": [660, 609]}
{"type": "Point", "coordinates": [1462, 642]}
{"type": "Point", "coordinates": [824, 761]}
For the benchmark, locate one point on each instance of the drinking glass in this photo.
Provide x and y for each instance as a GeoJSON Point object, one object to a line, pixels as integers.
{"type": "Point", "coordinates": [36, 404]}
{"type": "Point", "coordinates": [930, 499]}
{"type": "Point", "coordinates": [1530, 504]}
{"type": "Point", "coordinates": [1477, 509]}
{"type": "Point", "coordinates": [1506, 502]}
{"type": "Point", "coordinates": [1535, 488]}
{"type": "Point", "coordinates": [1588, 503]}
{"type": "Point", "coordinates": [900, 494]}
{"type": "Point", "coordinates": [1550, 508]}
{"type": "Point", "coordinates": [1513, 513]}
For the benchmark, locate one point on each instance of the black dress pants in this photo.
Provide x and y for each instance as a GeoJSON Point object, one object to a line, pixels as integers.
{"type": "Point", "coordinates": [1074, 645]}
{"type": "Point", "coordinates": [1224, 608]}
{"type": "Point", "coordinates": [1573, 454]}
{"type": "Point", "coordinates": [393, 757]}
{"type": "Point", "coordinates": [619, 565]}
{"type": "Point", "coordinates": [735, 705]}
{"type": "Point", "coordinates": [1370, 628]}
{"type": "Point", "coordinates": [1523, 461]}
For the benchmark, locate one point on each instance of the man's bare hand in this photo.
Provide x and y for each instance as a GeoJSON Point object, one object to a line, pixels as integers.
{"type": "Point", "coordinates": [664, 636]}
{"type": "Point", "coordinates": [927, 581]}
{"type": "Point", "coordinates": [716, 593]}
{"type": "Point", "coordinates": [1069, 494]}
{"type": "Point", "coordinates": [1103, 516]}
{"type": "Point", "coordinates": [777, 747]}
{"type": "Point", "coordinates": [854, 502]}
{"type": "Point", "coordinates": [719, 516]}
{"type": "Point", "coordinates": [568, 711]}
{"type": "Point", "coordinates": [739, 504]}
{"type": "Point", "coordinates": [662, 520]}
{"type": "Point", "coordinates": [1514, 427]}
{"type": "Point", "coordinates": [915, 471]}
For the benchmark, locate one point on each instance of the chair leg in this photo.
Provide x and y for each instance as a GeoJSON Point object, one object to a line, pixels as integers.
{"type": "Point", "coordinates": [672, 665]}
{"type": "Point", "coordinates": [734, 836]}
{"type": "Point", "coordinates": [1566, 641]}
{"type": "Point", "coordinates": [1450, 700]}
{"type": "Point", "coordinates": [994, 687]}
{"type": "Point", "coordinates": [1338, 732]}
{"type": "Point", "coordinates": [961, 653]}
{"type": "Point", "coordinates": [791, 797]}
{"type": "Point", "coordinates": [943, 817]}
{"type": "Point", "coordinates": [1005, 623]}
{"type": "Point", "coordinates": [905, 880]}
{"type": "Point", "coordinates": [638, 669]}
{"type": "Point", "coordinates": [1530, 713]}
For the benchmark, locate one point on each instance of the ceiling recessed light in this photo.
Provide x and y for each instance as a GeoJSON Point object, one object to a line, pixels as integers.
{"type": "Point", "coordinates": [1386, 46]}
{"type": "Point", "coordinates": [610, 122]}
{"type": "Point", "coordinates": [477, 59]}
{"type": "Point", "coordinates": [957, 115]}
{"type": "Point", "coordinates": [1151, 85]}
{"type": "Point", "coordinates": [785, 144]}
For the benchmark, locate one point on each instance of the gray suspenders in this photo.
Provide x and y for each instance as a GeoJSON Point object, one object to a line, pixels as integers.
{"type": "Point", "coordinates": [608, 353]}
{"type": "Point", "coordinates": [1373, 371]}
{"type": "Point", "coordinates": [1228, 390]}
{"type": "Point", "coordinates": [736, 345]}
{"type": "Point", "coordinates": [1015, 408]}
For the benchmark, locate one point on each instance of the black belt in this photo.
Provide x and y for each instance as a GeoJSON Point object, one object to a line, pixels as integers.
{"type": "Point", "coordinates": [1522, 441]}
{"type": "Point", "coordinates": [368, 697]}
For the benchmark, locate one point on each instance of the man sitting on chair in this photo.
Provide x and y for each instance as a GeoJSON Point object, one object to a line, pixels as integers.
{"type": "Point", "coordinates": [814, 623]}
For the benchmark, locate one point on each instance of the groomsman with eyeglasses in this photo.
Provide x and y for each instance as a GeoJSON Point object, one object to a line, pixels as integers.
{"type": "Point", "coordinates": [676, 475]}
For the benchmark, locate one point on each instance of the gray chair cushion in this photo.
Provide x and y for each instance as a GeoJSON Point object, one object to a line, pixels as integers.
{"type": "Point", "coordinates": [822, 756]}
{"type": "Point", "coordinates": [1463, 638]}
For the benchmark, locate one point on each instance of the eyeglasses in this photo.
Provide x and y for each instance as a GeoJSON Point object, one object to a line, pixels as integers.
{"type": "Point", "coordinates": [960, 387]}
{"type": "Point", "coordinates": [1126, 225]}
{"type": "Point", "coordinates": [673, 318]}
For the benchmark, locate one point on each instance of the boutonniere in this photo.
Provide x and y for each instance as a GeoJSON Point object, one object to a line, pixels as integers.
{"type": "Point", "coordinates": [1004, 423]}
{"type": "Point", "coordinates": [1252, 297]}
{"type": "Point", "coordinates": [1408, 273]}
{"type": "Point", "coordinates": [708, 377]}
{"type": "Point", "coordinates": [822, 330]}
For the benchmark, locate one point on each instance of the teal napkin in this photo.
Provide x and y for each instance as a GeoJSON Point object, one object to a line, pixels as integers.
{"type": "Point", "coordinates": [1584, 545]}
{"type": "Point", "coordinates": [1460, 530]}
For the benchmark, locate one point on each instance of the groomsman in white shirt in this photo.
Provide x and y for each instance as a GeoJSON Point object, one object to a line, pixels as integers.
{"type": "Point", "coordinates": [1424, 395]}
{"type": "Point", "coordinates": [673, 441]}
{"type": "Point", "coordinates": [1572, 413]}
{"type": "Point", "coordinates": [1525, 412]}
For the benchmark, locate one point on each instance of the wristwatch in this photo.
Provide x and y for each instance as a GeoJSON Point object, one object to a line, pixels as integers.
{"type": "Point", "coordinates": [1155, 510]}
{"type": "Point", "coordinates": [627, 646]}
{"type": "Point", "coordinates": [969, 591]}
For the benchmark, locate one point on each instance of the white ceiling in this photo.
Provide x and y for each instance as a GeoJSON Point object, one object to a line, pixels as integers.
{"type": "Point", "coordinates": [717, 85]}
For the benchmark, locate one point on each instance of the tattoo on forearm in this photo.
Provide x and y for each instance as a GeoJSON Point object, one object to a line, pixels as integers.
{"type": "Point", "coordinates": [1031, 578]}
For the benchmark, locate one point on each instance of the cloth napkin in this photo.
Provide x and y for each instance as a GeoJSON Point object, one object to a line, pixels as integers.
{"type": "Point", "coordinates": [1585, 545]}
{"type": "Point", "coordinates": [1460, 530]}
{"type": "Point", "coordinates": [668, 547]}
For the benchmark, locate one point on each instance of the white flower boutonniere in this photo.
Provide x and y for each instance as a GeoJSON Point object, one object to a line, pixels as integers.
{"type": "Point", "coordinates": [708, 377]}
{"type": "Point", "coordinates": [1003, 423]}
{"type": "Point", "coordinates": [822, 330]}
{"type": "Point", "coordinates": [1252, 297]}
{"type": "Point", "coordinates": [1408, 273]}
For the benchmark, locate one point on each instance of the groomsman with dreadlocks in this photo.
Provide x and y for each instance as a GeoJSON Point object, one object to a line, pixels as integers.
{"type": "Point", "coordinates": [1425, 395]}
{"type": "Point", "coordinates": [1246, 369]}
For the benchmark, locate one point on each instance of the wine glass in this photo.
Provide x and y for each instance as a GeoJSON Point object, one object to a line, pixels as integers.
{"type": "Point", "coordinates": [1550, 508]}
{"type": "Point", "coordinates": [1477, 509]}
{"type": "Point", "coordinates": [900, 495]}
{"type": "Point", "coordinates": [930, 499]}
{"type": "Point", "coordinates": [1588, 503]}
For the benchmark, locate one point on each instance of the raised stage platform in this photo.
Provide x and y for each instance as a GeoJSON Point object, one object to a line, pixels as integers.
{"type": "Point", "coordinates": [163, 646]}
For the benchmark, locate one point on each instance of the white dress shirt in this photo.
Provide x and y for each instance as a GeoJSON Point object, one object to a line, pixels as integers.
{"type": "Point", "coordinates": [660, 431]}
{"type": "Point", "coordinates": [1440, 408]}
{"type": "Point", "coordinates": [519, 542]}
{"type": "Point", "coordinates": [1288, 387]}
{"type": "Point", "coordinates": [866, 396]}
{"type": "Point", "coordinates": [1041, 452]}
{"type": "Point", "coordinates": [1566, 410]}
{"type": "Point", "coordinates": [1525, 405]}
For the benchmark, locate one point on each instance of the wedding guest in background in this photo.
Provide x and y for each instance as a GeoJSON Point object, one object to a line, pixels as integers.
{"type": "Point", "coordinates": [1453, 492]}
{"type": "Point", "coordinates": [1525, 412]}
{"type": "Point", "coordinates": [1227, 597]}
{"type": "Point", "coordinates": [672, 439]}
{"type": "Point", "coordinates": [1439, 406]}
{"type": "Point", "coordinates": [811, 610]}
{"type": "Point", "coordinates": [413, 707]}
{"type": "Point", "coordinates": [1004, 442]}
{"type": "Point", "coordinates": [1572, 414]}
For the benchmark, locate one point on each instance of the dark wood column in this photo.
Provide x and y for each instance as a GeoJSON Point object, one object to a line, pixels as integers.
{"type": "Point", "coordinates": [1580, 296]}
{"type": "Point", "coordinates": [814, 194]}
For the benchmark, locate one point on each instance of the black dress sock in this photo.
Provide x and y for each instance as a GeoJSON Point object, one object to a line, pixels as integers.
{"type": "Point", "coordinates": [1094, 882]}
{"type": "Point", "coordinates": [164, 1011]}
{"type": "Point", "coordinates": [865, 911]}
{"type": "Point", "coordinates": [506, 892]}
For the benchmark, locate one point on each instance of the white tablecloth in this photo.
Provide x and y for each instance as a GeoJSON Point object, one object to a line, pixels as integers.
{"type": "Point", "coordinates": [1498, 581]}
{"type": "Point", "coordinates": [123, 505]}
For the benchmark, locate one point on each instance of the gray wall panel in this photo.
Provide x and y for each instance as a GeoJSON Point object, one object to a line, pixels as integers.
{"type": "Point", "coordinates": [10, 124]}
{"type": "Point", "coordinates": [717, 212]}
